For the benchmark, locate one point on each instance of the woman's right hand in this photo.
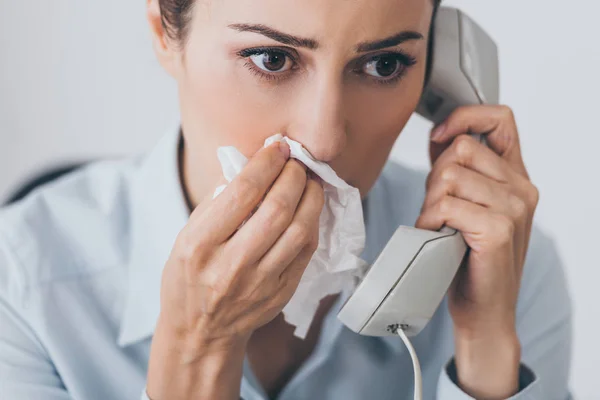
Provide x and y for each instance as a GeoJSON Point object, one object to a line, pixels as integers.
{"type": "Point", "coordinates": [220, 284]}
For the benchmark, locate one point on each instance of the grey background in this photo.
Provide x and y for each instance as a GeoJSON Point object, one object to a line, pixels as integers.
{"type": "Point", "coordinates": [78, 80]}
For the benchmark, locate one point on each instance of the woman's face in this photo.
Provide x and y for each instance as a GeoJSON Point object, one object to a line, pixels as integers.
{"type": "Point", "coordinates": [342, 77]}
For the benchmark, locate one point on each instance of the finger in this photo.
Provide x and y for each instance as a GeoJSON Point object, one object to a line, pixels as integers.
{"type": "Point", "coordinates": [436, 149]}
{"type": "Point", "coordinates": [470, 153]}
{"type": "Point", "coordinates": [222, 216]}
{"type": "Point", "coordinates": [291, 276]}
{"type": "Point", "coordinates": [458, 181]}
{"type": "Point", "coordinates": [497, 122]}
{"type": "Point", "coordinates": [456, 213]}
{"type": "Point", "coordinates": [483, 231]}
{"type": "Point", "coordinates": [466, 184]}
{"type": "Point", "coordinates": [477, 224]}
{"type": "Point", "coordinates": [273, 216]}
{"type": "Point", "coordinates": [302, 232]}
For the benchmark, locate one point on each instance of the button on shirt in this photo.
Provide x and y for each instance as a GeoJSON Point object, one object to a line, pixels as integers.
{"type": "Point", "coordinates": [80, 271]}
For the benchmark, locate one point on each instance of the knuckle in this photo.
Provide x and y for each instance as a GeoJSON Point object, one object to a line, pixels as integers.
{"type": "Point", "coordinates": [517, 205]}
{"type": "Point", "coordinates": [282, 279]}
{"type": "Point", "coordinates": [449, 175]}
{"type": "Point", "coordinates": [444, 205]}
{"type": "Point", "coordinates": [300, 232]}
{"type": "Point", "coordinates": [505, 229]}
{"type": "Point", "coordinates": [238, 262]}
{"type": "Point", "coordinates": [507, 112]}
{"type": "Point", "coordinates": [215, 290]}
{"type": "Point", "coordinates": [187, 249]}
{"type": "Point", "coordinates": [285, 291]}
{"type": "Point", "coordinates": [534, 196]}
{"type": "Point", "coordinates": [463, 147]}
{"type": "Point", "coordinates": [312, 246]}
{"type": "Point", "coordinates": [278, 209]}
{"type": "Point", "coordinates": [216, 295]}
{"type": "Point", "coordinates": [223, 285]}
{"type": "Point", "coordinates": [245, 192]}
{"type": "Point", "coordinates": [313, 243]}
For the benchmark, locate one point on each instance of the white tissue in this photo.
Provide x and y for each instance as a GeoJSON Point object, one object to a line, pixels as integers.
{"type": "Point", "coordinates": [336, 264]}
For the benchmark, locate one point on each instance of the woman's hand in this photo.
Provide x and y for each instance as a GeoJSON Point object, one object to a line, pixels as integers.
{"type": "Point", "coordinates": [487, 195]}
{"type": "Point", "coordinates": [220, 283]}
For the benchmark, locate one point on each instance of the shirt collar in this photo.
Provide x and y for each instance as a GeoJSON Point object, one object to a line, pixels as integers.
{"type": "Point", "coordinates": [158, 213]}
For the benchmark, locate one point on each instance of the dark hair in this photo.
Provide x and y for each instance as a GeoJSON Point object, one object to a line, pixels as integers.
{"type": "Point", "coordinates": [176, 15]}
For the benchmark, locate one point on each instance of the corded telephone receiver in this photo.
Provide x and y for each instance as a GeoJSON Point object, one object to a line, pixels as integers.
{"type": "Point", "coordinates": [411, 276]}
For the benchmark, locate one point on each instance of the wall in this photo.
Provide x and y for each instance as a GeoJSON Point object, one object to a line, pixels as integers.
{"type": "Point", "coordinates": [78, 80]}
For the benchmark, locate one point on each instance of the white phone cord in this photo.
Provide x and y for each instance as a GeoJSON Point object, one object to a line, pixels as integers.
{"type": "Point", "coordinates": [418, 391]}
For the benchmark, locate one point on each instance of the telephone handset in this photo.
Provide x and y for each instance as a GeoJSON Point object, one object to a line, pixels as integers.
{"type": "Point", "coordinates": [411, 276]}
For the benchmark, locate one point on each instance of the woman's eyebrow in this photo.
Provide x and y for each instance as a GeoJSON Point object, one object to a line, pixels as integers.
{"type": "Point", "coordinates": [312, 44]}
{"type": "Point", "coordinates": [390, 41]}
{"type": "Point", "coordinates": [276, 35]}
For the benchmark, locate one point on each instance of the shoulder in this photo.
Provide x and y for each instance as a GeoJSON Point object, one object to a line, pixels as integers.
{"type": "Point", "coordinates": [67, 228]}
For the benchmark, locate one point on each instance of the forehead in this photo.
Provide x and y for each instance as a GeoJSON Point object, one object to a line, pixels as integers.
{"type": "Point", "coordinates": [323, 20]}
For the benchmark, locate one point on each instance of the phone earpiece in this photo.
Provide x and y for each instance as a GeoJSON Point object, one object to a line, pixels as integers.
{"type": "Point", "coordinates": [412, 274]}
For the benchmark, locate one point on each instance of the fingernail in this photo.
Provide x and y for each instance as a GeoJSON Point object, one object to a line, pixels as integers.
{"type": "Point", "coordinates": [438, 132]}
{"type": "Point", "coordinates": [285, 149]}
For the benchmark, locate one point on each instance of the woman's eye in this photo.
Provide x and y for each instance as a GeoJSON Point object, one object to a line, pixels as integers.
{"type": "Point", "coordinates": [272, 61]}
{"type": "Point", "coordinates": [383, 66]}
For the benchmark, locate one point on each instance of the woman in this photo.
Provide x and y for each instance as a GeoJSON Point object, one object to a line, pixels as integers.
{"type": "Point", "coordinates": [111, 289]}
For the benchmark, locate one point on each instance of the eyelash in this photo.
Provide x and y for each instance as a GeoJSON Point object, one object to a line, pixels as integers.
{"type": "Point", "coordinates": [247, 53]}
{"type": "Point", "coordinates": [406, 60]}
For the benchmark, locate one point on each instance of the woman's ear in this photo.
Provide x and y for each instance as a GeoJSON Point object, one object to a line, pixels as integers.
{"type": "Point", "coordinates": [166, 49]}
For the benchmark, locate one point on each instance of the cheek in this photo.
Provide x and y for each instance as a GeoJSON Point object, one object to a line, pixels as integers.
{"type": "Point", "coordinates": [380, 114]}
{"type": "Point", "coordinates": [220, 100]}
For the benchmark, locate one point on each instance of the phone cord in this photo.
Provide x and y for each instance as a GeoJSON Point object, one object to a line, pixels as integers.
{"type": "Point", "coordinates": [418, 390]}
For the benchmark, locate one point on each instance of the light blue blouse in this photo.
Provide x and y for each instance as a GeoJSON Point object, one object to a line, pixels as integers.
{"type": "Point", "coordinates": [80, 270]}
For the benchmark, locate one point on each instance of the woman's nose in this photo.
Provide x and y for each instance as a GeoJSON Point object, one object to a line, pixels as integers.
{"type": "Point", "coordinates": [319, 122]}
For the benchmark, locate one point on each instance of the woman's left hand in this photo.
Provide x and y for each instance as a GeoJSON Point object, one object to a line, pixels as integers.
{"type": "Point", "coordinates": [485, 193]}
